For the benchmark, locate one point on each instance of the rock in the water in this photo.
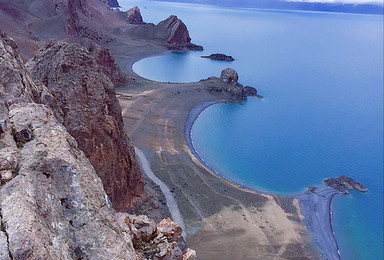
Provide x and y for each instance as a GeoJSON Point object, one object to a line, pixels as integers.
{"type": "Point", "coordinates": [356, 185]}
{"type": "Point", "coordinates": [219, 56]}
{"type": "Point", "coordinates": [91, 113]}
{"type": "Point", "coordinates": [251, 92]}
{"type": "Point", "coordinates": [229, 76]}
{"type": "Point", "coordinates": [344, 183]}
{"type": "Point", "coordinates": [134, 16]}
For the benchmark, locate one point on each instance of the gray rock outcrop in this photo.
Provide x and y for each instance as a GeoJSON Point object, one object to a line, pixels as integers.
{"type": "Point", "coordinates": [113, 3]}
{"type": "Point", "coordinates": [237, 92]}
{"type": "Point", "coordinates": [219, 56]}
{"type": "Point", "coordinates": [229, 76]}
{"type": "Point", "coordinates": [171, 32]}
{"type": "Point", "coordinates": [52, 203]}
{"type": "Point", "coordinates": [343, 183]}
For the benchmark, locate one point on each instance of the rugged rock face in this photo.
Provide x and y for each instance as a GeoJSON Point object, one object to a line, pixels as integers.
{"type": "Point", "coordinates": [52, 203]}
{"type": "Point", "coordinates": [72, 8]}
{"type": "Point", "coordinates": [106, 62]}
{"type": "Point", "coordinates": [91, 113]}
{"type": "Point", "coordinates": [219, 56]}
{"type": "Point", "coordinates": [134, 16]}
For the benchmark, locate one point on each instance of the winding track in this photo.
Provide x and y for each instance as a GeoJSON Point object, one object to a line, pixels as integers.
{"type": "Point", "coordinates": [171, 202]}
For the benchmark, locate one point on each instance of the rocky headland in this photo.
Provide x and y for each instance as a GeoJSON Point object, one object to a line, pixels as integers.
{"type": "Point", "coordinates": [343, 183]}
{"type": "Point", "coordinates": [219, 56]}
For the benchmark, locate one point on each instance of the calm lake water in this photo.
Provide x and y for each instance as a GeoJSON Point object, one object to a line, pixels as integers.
{"type": "Point", "coordinates": [321, 76]}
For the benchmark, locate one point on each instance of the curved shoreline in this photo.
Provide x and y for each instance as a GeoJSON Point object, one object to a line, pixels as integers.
{"type": "Point", "coordinates": [320, 228]}
{"type": "Point", "coordinates": [193, 114]}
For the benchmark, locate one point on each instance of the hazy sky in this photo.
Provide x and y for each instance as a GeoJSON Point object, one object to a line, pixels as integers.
{"type": "Point", "coordinates": [341, 1]}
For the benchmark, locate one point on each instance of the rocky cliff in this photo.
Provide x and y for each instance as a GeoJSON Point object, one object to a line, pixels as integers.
{"type": "Point", "coordinates": [171, 32]}
{"type": "Point", "coordinates": [113, 3]}
{"type": "Point", "coordinates": [91, 113]}
{"type": "Point", "coordinates": [52, 203]}
{"type": "Point", "coordinates": [133, 16]}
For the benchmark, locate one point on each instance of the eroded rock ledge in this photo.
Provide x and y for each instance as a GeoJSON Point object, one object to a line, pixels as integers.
{"type": "Point", "coordinates": [343, 183]}
{"type": "Point", "coordinates": [219, 56]}
{"type": "Point", "coordinates": [80, 81]}
{"type": "Point", "coordinates": [237, 92]}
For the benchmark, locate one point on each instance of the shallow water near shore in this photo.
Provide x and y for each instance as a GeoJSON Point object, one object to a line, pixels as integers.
{"type": "Point", "coordinates": [321, 76]}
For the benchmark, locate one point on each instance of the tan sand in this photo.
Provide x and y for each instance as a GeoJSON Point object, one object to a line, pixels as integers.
{"type": "Point", "coordinates": [222, 221]}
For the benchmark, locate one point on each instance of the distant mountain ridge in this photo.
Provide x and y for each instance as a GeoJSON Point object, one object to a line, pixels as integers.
{"type": "Point", "coordinates": [370, 8]}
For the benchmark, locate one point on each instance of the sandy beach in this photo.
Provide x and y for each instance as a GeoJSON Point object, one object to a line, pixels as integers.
{"type": "Point", "coordinates": [221, 219]}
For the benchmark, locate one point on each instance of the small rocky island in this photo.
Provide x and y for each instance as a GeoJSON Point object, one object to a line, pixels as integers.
{"type": "Point", "coordinates": [343, 183]}
{"type": "Point", "coordinates": [219, 56]}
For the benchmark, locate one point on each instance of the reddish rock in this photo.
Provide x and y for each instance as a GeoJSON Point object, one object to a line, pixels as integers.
{"type": "Point", "coordinates": [169, 229]}
{"type": "Point", "coordinates": [178, 32]}
{"type": "Point", "coordinates": [190, 255]}
{"type": "Point", "coordinates": [92, 115]}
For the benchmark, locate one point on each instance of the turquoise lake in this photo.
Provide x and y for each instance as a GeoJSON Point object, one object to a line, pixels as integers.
{"type": "Point", "coordinates": [321, 75]}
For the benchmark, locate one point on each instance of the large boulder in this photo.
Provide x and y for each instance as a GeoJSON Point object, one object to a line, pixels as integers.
{"type": "Point", "coordinates": [82, 87]}
{"type": "Point", "coordinates": [229, 76]}
{"type": "Point", "coordinates": [133, 16]}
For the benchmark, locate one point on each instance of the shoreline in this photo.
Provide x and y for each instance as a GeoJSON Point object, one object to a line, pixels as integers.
{"type": "Point", "coordinates": [320, 225]}
{"type": "Point", "coordinates": [310, 203]}
{"type": "Point", "coordinates": [158, 117]}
